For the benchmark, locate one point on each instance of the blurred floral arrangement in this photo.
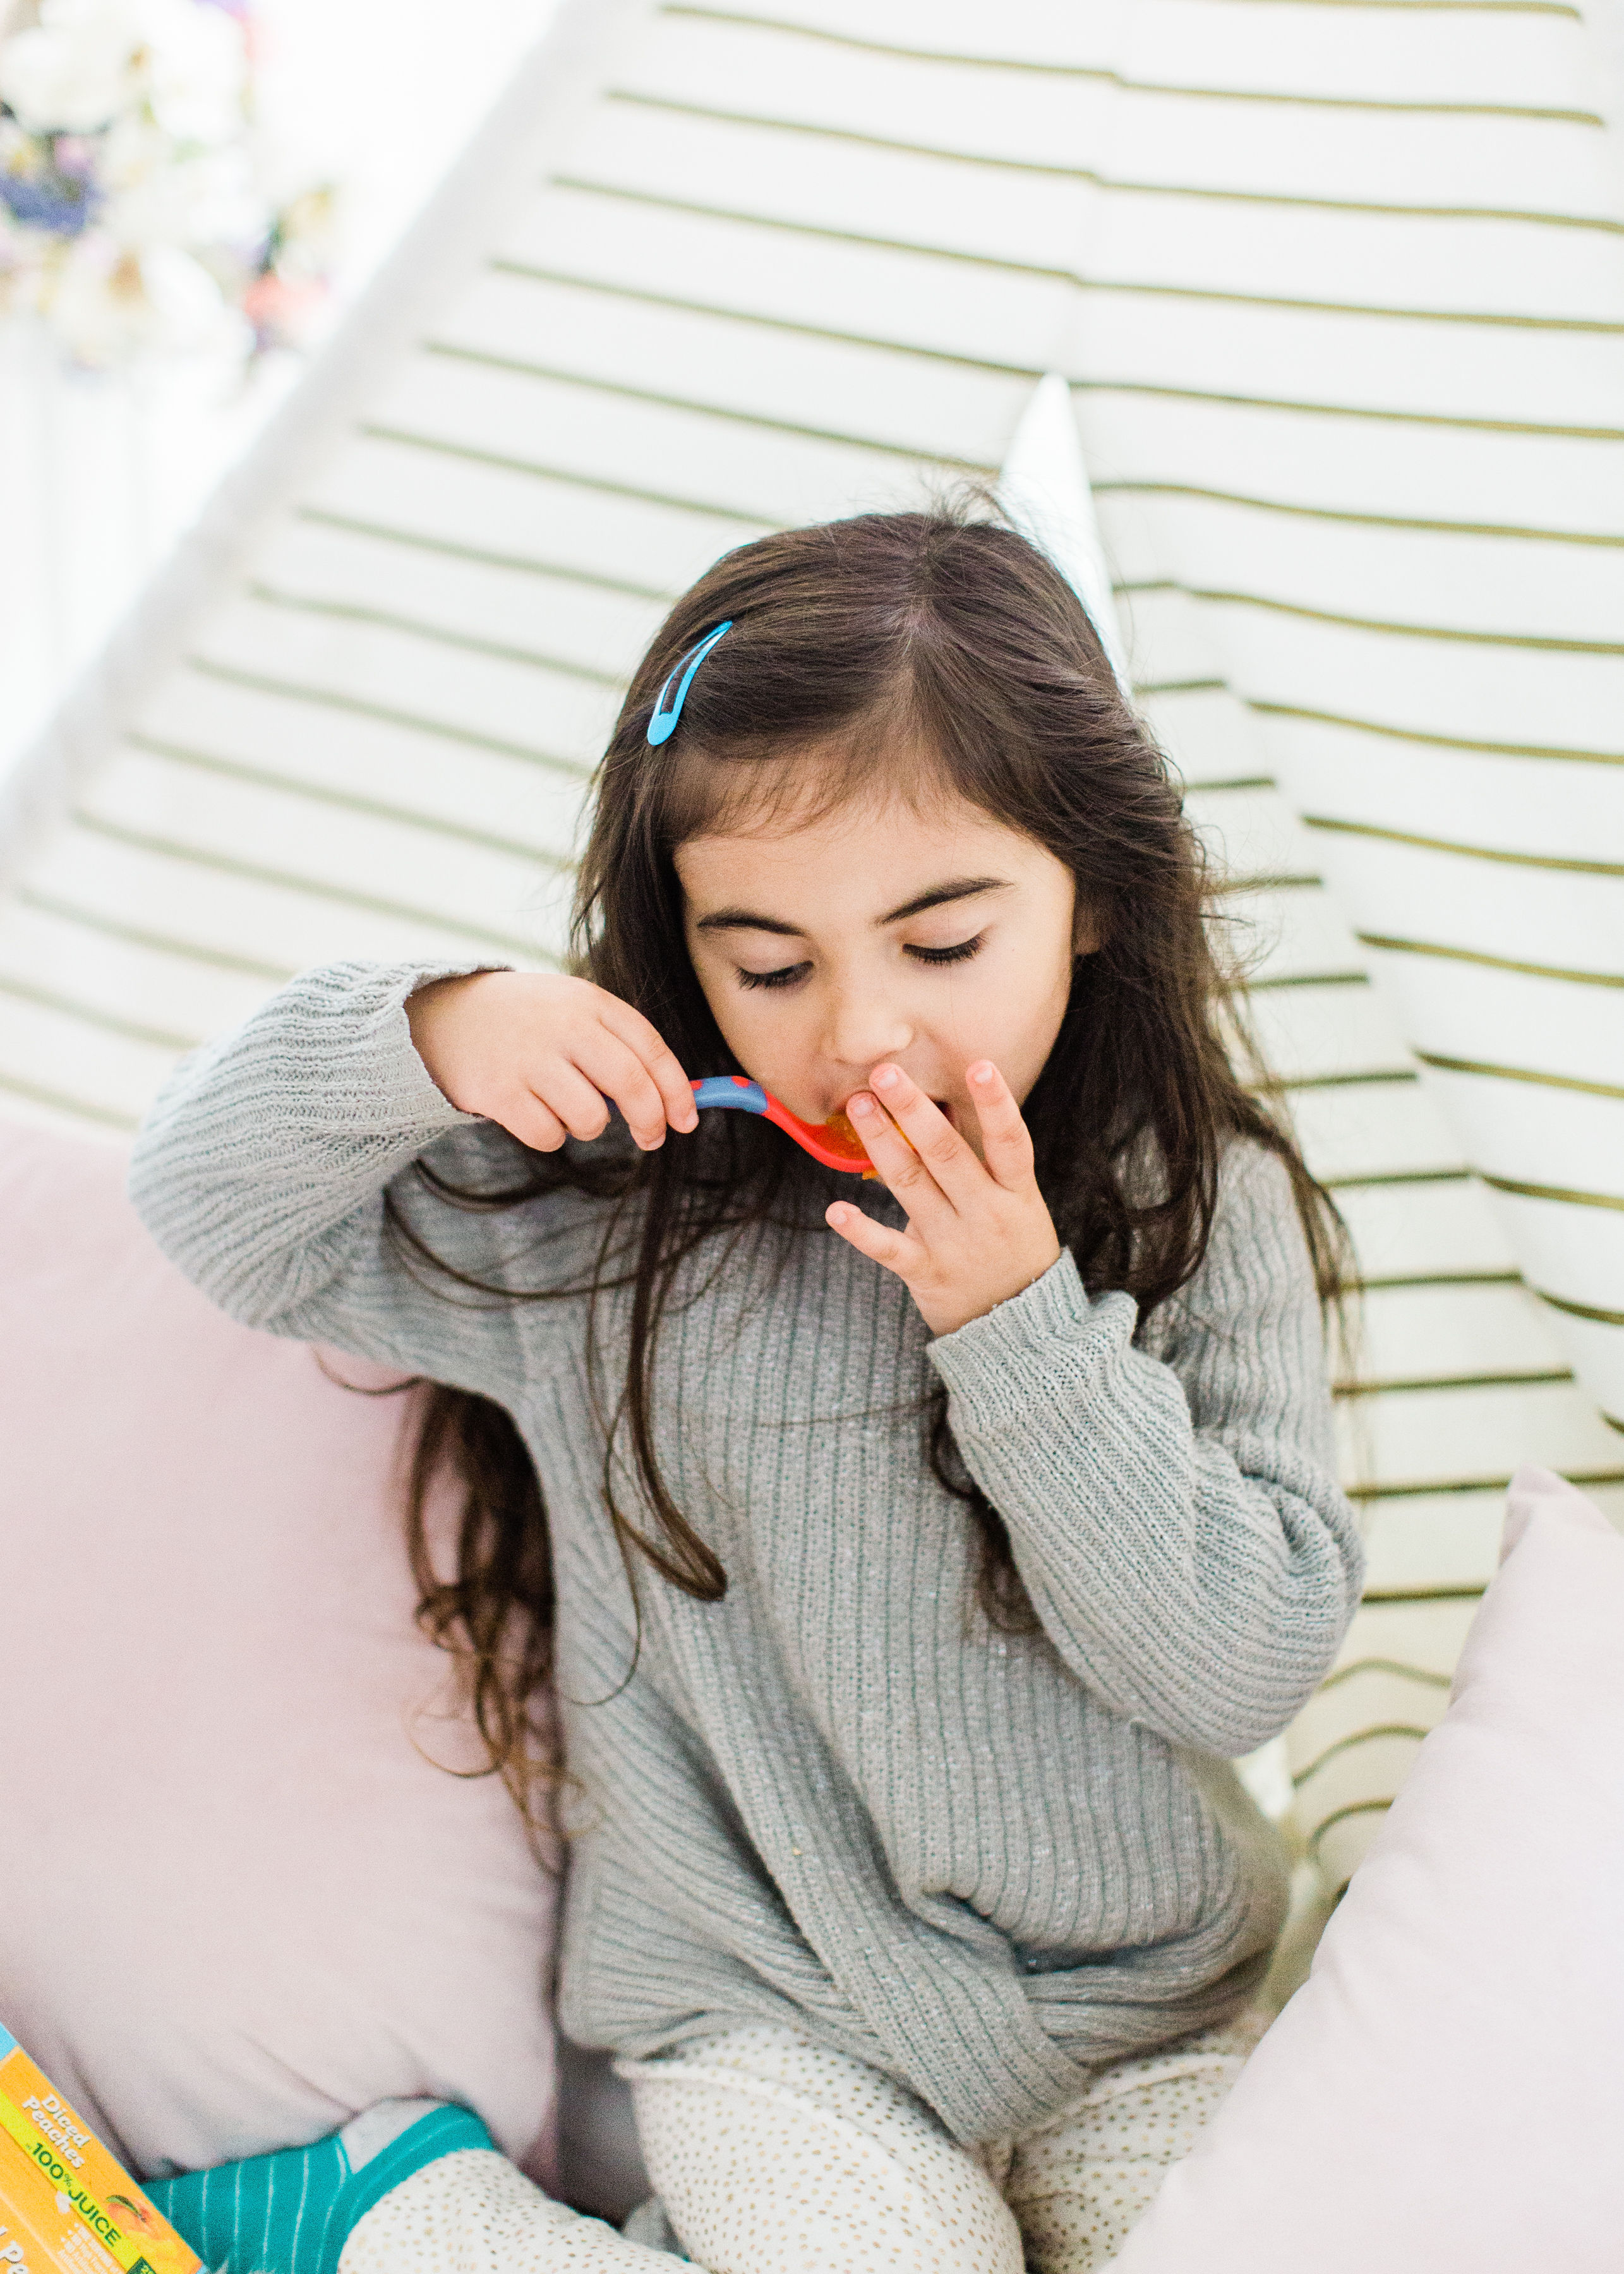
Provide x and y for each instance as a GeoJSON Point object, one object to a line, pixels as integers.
{"type": "Point", "coordinates": [142, 206]}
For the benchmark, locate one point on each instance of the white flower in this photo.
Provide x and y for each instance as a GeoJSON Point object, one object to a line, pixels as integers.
{"type": "Point", "coordinates": [73, 69]}
{"type": "Point", "coordinates": [197, 80]}
{"type": "Point", "coordinates": [107, 306]}
{"type": "Point", "coordinates": [87, 63]}
{"type": "Point", "coordinates": [156, 198]}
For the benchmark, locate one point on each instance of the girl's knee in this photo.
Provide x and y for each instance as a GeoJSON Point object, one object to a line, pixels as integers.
{"type": "Point", "coordinates": [1080, 2183]}
{"type": "Point", "coordinates": [772, 2154]}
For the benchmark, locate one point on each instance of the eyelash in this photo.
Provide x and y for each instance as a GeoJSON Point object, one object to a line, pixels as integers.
{"type": "Point", "coordinates": [781, 978]}
{"type": "Point", "coordinates": [961, 953]}
{"type": "Point", "coordinates": [788, 973]}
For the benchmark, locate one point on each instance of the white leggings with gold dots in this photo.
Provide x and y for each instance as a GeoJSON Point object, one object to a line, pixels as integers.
{"type": "Point", "coordinates": [773, 2156]}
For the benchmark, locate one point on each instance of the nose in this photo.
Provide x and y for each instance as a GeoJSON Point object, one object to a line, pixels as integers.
{"type": "Point", "coordinates": [865, 1027]}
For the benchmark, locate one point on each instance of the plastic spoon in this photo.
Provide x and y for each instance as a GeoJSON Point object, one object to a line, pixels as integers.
{"type": "Point", "coordinates": [834, 1142]}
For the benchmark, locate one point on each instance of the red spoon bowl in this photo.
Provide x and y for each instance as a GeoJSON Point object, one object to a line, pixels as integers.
{"type": "Point", "coordinates": [834, 1142]}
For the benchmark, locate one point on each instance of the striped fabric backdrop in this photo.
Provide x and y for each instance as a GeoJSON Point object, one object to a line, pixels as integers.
{"type": "Point", "coordinates": [1338, 290]}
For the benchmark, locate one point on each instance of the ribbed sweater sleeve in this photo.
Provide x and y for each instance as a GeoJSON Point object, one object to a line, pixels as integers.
{"type": "Point", "coordinates": [1176, 1519]}
{"type": "Point", "coordinates": [262, 1167]}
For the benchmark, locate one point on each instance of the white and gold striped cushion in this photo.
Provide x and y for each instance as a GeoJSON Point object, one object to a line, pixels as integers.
{"type": "Point", "coordinates": [1336, 287]}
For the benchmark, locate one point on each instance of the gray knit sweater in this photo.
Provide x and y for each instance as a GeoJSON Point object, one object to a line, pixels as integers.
{"type": "Point", "coordinates": [836, 1799]}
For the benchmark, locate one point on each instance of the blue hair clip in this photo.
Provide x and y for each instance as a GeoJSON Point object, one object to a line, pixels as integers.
{"type": "Point", "coordinates": [663, 725]}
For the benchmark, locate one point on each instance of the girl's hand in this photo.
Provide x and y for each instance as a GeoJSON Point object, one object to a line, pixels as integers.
{"type": "Point", "coordinates": [540, 1054]}
{"type": "Point", "coordinates": [975, 1234]}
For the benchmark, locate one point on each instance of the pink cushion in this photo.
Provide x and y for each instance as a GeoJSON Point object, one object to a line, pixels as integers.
{"type": "Point", "coordinates": [240, 1902]}
{"type": "Point", "coordinates": [1441, 2096]}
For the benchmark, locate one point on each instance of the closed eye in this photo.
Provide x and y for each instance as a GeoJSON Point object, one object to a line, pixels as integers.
{"type": "Point", "coordinates": [784, 976]}
{"type": "Point", "coordinates": [961, 953]}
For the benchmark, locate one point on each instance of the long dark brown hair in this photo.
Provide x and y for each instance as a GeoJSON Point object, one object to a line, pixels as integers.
{"type": "Point", "coordinates": [918, 653]}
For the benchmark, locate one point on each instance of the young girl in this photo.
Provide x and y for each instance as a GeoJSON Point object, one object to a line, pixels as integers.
{"type": "Point", "coordinates": [922, 1549]}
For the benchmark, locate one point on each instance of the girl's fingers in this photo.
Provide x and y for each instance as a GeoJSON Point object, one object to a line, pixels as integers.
{"type": "Point", "coordinates": [940, 1164]}
{"type": "Point", "coordinates": [664, 1066]}
{"type": "Point", "coordinates": [901, 1167]}
{"type": "Point", "coordinates": [578, 1103]}
{"type": "Point", "coordinates": [614, 1069]}
{"type": "Point", "coordinates": [894, 1249]}
{"type": "Point", "coordinates": [1006, 1142]}
{"type": "Point", "coordinates": [533, 1123]}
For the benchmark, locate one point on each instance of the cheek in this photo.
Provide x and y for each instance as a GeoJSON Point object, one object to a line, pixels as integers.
{"type": "Point", "coordinates": [1019, 1009]}
{"type": "Point", "coordinates": [1027, 983]}
{"type": "Point", "coordinates": [759, 1025]}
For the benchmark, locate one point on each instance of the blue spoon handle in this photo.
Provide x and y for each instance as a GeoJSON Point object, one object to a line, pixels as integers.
{"type": "Point", "coordinates": [728, 1089]}
{"type": "Point", "coordinates": [725, 1089]}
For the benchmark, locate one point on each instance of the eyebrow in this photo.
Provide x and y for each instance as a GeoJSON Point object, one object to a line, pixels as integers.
{"type": "Point", "coordinates": [962, 888]}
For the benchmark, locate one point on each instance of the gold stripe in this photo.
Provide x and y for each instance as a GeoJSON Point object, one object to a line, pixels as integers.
{"type": "Point", "coordinates": [918, 248]}
{"type": "Point", "coordinates": [372, 809]}
{"type": "Point", "coordinates": [1397, 1177]}
{"type": "Point", "coordinates": [160, 942]}
{"type": "Point", "coordinates": [691, 407]}
{"type": "Point", "coordinates": [1334, 1081]}
{"type": "Point", "coordinates": [1393, 945]}
{"type": "Point", "coordinates": [1384, 1281]}
{"type": "Point", "coordinates": [1521, 1073]}
{"type": "Point", "coordinates": [1502, 320]}
{"type": "Point", "coordinates": [1604, 224]}
{"type": "Point", "coordinates": [1437, 741]}
{"type": "Point", "coordinates": [1358, 1737]}
{"type": "Point", "coordinates": [1450, 418]}
{"type": "Point", "coordinates": [1424, 1595]}
{"type": "Point", "coordinates": [528, 273]}
{"type": "Point", "coordinates": [62, 1102]}
{"type": "Point", "coordinates": [1357, 1807]}
{"type": "Point", "coordinates": [417, 540]}
{"type": "Point", "coordinates": [1418, 1490]}
{"type": "Point", "coordinates": [1529, 1380]}
{"type": "Point", "coordinates": [569, 478]}
{"type": "Point", "coordinates": [1027, 69]}
{"type": "Point", "coordinates": [384, 620]}
{"type": "Point", "coordinates": [1538, 640]}
{"type": "Point", "coordinates": [1552, 861]}
{"type": "Point", "coordinates": [1384, 1666]}
{"type": "Point", "coordinates": [1519, 530]}
{"type": "Point", "coordinates": [1307, 979]}
{"type": "Point", "coordinates": [226, 864]}
{"type": "Point", "coordinates": [1553, 1193]}
{"type": "Point", "coordinates": [355, 706]}
{"type": "Point", "coordinates": [1581, 1311]}
{"type": "Point", "coordinates": [73, 1006]}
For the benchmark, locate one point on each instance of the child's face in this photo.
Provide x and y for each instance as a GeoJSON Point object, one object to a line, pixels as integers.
{"type": "Point", "coordinates": [879, 934]}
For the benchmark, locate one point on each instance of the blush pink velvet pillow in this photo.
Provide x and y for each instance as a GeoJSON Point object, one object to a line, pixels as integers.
{"type": "Point", "coordinates": [240, 1902]}
{"type": "Point", "coordinates": [1442, 2094]}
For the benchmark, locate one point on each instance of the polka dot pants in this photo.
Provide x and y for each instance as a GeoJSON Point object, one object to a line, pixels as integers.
{"type": "Point", "coordinates": [773, 2156]}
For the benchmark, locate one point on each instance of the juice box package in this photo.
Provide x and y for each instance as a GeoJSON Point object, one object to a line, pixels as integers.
{"type": "Point", "coordinates": [65, 2206]}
